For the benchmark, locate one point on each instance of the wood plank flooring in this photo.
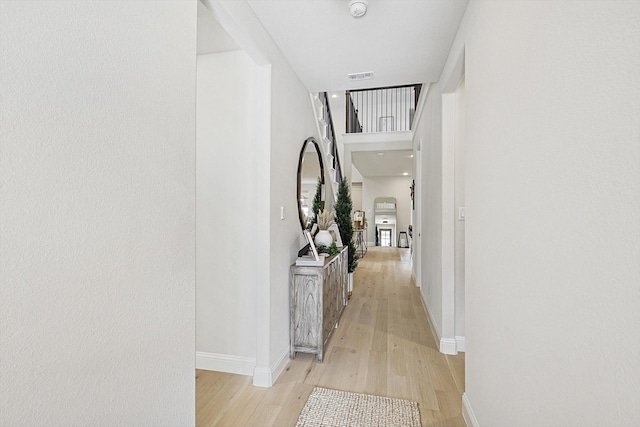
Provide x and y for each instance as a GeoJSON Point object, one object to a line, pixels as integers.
{"type": "Point", "coordinates": [383, 346]}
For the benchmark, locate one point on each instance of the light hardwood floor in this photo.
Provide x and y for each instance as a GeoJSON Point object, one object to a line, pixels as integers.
{"type": "Point", "coordinates": [383, 346]}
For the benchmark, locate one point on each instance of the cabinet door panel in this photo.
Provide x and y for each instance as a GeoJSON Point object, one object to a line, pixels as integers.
{"type": "Point", "coordinates": [305, 316]}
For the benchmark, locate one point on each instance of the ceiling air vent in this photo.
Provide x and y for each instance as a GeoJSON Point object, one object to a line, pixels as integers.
{"type": "Point", "coordinates": [367, 75]}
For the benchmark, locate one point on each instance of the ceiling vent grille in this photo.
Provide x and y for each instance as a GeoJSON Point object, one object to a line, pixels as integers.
{"type": "Point", "coordinates": [367, 75]}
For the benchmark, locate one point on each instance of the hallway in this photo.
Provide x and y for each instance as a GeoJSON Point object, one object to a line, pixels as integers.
{"type": "Point", "coordinates": [383, 346]}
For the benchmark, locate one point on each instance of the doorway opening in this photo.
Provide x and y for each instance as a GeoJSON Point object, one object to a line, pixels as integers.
{"type": "Point", "coordinates": [385, 237]}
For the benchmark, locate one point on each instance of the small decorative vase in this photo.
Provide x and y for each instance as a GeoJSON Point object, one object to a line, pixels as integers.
{"type": "Point", "coordinates": [323, 238]}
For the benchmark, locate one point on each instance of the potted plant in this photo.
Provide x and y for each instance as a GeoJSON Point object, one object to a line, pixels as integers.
{"type": "Point", "coordinates": [345, 226]}
{"type": "Point", "coordinates": [325, 220]}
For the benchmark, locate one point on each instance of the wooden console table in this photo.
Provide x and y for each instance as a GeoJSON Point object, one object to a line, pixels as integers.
{"type": "Point", "coordinates": [318, 296]}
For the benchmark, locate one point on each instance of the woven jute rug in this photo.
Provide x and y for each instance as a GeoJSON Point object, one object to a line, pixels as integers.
{"type": "Point", "coordinates": [334, 408]}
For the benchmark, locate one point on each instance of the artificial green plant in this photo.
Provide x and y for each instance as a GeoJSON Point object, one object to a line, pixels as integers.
{"type": "Point", "coordinates": [317, 202]}
{"type": "Point", "coordinates": [343, 209]}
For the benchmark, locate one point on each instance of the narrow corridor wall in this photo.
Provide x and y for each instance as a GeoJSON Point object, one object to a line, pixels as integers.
{"type": "Point", "coordinates": [285, 119]}
{"type": "Point", "coordinates": [553, 178]}
{"type": "Point", "coordinates": [97, 126]}
{"type": "Point", "coordinates": [229, 144]}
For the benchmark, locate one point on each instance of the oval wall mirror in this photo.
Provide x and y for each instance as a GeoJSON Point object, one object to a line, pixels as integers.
{"type": "Point", "coordinates": [310, 168]}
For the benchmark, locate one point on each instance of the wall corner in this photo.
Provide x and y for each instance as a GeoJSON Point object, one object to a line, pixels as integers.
{"type": "Point", "coordinates": [467, 412]}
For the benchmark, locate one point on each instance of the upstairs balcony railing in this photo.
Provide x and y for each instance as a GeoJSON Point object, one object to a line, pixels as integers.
{"type": "Point", "coordinates": [388, 109]}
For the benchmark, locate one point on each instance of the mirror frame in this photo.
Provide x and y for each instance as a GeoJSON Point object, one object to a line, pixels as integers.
{"type": "Point", "coordinates": [299, 183]}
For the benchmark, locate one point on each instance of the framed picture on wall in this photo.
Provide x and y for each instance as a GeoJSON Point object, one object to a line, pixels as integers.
{"type": "Point", "coordinates": [413, 193]}
{"type": "Point", "coordinates": [385, 124]}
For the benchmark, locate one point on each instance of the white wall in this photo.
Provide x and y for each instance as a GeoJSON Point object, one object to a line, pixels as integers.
{"type": "Point", "coordinates": [357, 176]}
{"type": "Point", "coordinates": [428, 130]}
{"type": "Point", "coordinates": [291, 124]}
{"type": "Point", "coordinates": [397, 187]}
{"type": "Point", "coordinates": [417, 212]}
{"type": "Point", "coordinates": [552, 186]}
{"type": "Point", "coordinates": [459, 201]}
{"type": "Point", "coordinates": [283, 116]}
{"type": "Point", "coordinates": [231, 145]}
{"type": "Point", "coordinates": [97, 248]}
{"type": "Point", "coordinates": [356, 196]}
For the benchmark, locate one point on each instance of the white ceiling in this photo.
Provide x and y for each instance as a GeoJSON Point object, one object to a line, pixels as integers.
{"type": "Point", "coordinates": [390, 163]}
{"type": "Point", "coordinates": [401, 41]}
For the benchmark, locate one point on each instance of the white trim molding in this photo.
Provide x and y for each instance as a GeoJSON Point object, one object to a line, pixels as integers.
{"type": "Point", "coordinates": [467, 413]}
{"type": "Point", "coordinates": [280, 364]}
{"type": "Point", "coordinates": [432, 321]}
{"type": "Point", "coordinates": [448, 346]}
{"type": "Point", "coordinates": [225, 363]}
{"type": "Point", "coordinates": [445, 345]}
{"type": "Point", "coordinates": [266, 376]}
{"type": "Point", "coordinates": [460, 343]}
{"type": "Point", "coordinates": [262, 377]}
{"type": "Point", "coordinates": [414, 278]}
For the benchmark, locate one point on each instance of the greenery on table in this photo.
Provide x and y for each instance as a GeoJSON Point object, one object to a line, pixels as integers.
{"type": "Point", "coordinates": [343, 209]}
{"type": "Point", "coordinates": [330, 250]}
{"type": "Point", "coordinates": [333, 249]}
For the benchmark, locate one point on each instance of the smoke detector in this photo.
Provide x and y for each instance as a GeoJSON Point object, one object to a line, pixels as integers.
{"type": "Point", "coordinates": [358, 8]}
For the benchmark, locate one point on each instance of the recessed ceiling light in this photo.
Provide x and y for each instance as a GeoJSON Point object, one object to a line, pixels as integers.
{"type": "Point", "coordinates": [411, 156]}
{"type": "Point", "coordinates": [405, 173]}
{"type": "Point", "coordinates": [380, 154]}
{"type": "Point", "coordinates": [334, 96]}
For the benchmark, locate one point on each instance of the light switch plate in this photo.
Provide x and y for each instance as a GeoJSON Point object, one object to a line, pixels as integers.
{"type": "Point", "coordinates": [461, 214]}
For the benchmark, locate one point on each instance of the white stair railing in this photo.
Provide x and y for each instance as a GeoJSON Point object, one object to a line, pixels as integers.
{"type": "Point", "coordinates": [325, 130]}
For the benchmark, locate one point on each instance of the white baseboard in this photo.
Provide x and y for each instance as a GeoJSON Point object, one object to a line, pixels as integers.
{"type": "Point", "coordinates": [467, 413]}
{"type": "Point", "coordinates": [432, 321]}
{"type": "Point", "coordinates": [460, 343]}
{"type": "Point", "coordinates": [225, 363]}
{"type": "Point", "coordinates": [448, 346]}
{"type": "Point", "coordinates": [266, 376]}
{"type": "Point", "coordinates": [262, 377]}
{"type": "Point", "coordinates": [280, 364]}
{"type": "Point", "coordinates": [445, 345]}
